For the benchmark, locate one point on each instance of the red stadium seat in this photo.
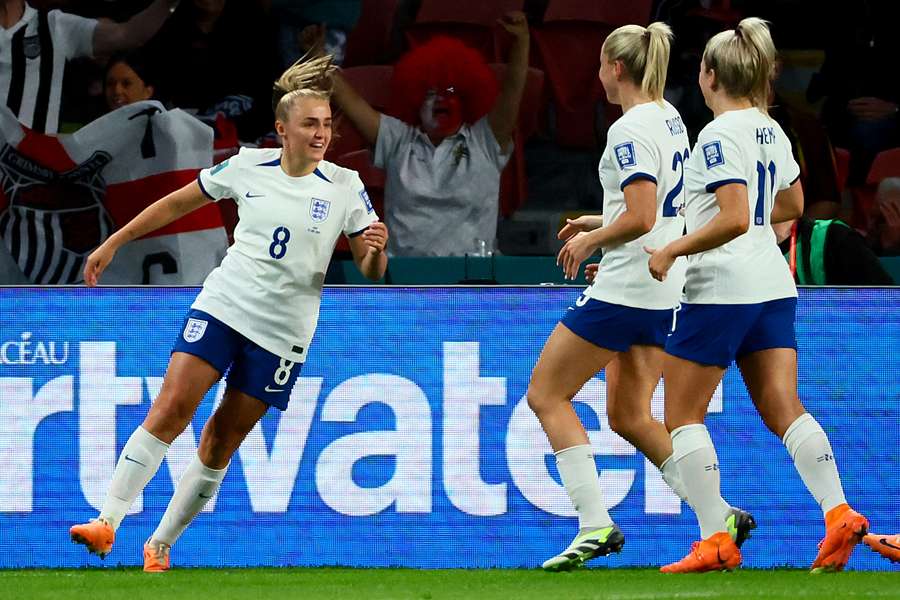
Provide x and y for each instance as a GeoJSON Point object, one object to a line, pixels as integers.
{"type": "Point", "coordinates": [372, 177]}
{"type": "Point", "coordinates": [886, 164]}
{"type": "Point", "coordinates": [372, 82]}
{"type": "Point", "coordinates": [841, 167]}
{"type": "Point", "coordinates": [369, 43]}
{"type": "Point", "coordinates": [609, 13]}
{"type": "Point", "coordinates": [569, 52]}
{"type": "Point", "coordinates": [473, 23]}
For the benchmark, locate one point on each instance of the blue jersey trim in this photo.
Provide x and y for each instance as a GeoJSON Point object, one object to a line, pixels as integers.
{"type": "Point", "coordinates": [357, 233]}
{"type": "Point", "coordinates": [795, 180]}
{"type": "Point", "coordinates": [203, 189]}
{"type": "Point", "coordinates": [320, 174]}
{"type": "Point", "coordinates": [271, 163]}
{"type": "Point", "coordinates": [634, 177]}
{"type": "Point", "coordinates": [711, 187]}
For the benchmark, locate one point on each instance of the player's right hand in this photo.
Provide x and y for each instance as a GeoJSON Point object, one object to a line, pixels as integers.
{"type": "Point", "coordinates": [590, 272]}
{"type": "Point", "coordinates": [97, 262]}
{"type": "Point", "coordinates": [582, 223]}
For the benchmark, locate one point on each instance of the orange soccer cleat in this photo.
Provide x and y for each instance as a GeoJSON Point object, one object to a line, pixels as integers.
{"type": "Point", "coordinates": [716, 553]}
{"type": "Point", "coordinates": [886, 545]}
{"type": "Point", "coordinates": [844, 529]}
{"type": "Point", "coordinates": [97, 535]}
{"type": "Point", "coordinates": [156, 557]}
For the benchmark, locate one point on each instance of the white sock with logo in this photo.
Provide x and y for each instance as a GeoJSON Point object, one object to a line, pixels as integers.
{"type": "Point", "coordinates": [694, 454]}
{"type": "Point", "coordinates": [578, 472]}
{"type": "Point", "coordinates": [808, 445]}
{"type": "Point", "coordinates": [198, 484]}
{"type": "Point", "coordinates": [138, 463]}
{"type": "Point", "coordinates": [672, 477]}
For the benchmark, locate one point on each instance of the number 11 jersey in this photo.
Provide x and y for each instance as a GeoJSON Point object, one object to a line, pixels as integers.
{"type": "Point", "coordinates": [268, 287]}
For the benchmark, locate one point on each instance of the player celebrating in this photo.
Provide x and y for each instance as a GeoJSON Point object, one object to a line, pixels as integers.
{"type": "Point", "coordinates": [625, 315]}
{"type": "Point", "coordinates": [740, 300]}
{"type": "Point", "coordinates": [257, 311]}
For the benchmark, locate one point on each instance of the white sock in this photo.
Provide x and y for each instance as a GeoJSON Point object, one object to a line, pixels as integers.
{"type": "Point", "coordinates": [579, 476]}
{"type": "Point", "coordinates": [138, 463]}
{"type": "Point", "coordinates": [695, 457]}
{"type": "Point", "coordinates": [198, 484]}
{"type": "Point", "coordinates": [808, 445]}
{"type": "Point", "coordinates": [672, 477]}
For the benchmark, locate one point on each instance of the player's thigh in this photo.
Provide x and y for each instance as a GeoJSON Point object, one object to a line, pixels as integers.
{"type": "Point", "coordinates": [631, 379]}
{"type": "Point", "coordinates": [689, 387]}
{"type": "Point", "coordinates": [187, 380]}
{"type": "Point", "coordinates": [566, 363]}
{"type": "Point", "coordinates": [771, 379]}
{"type": "Point", "coordinates": [232, 420]}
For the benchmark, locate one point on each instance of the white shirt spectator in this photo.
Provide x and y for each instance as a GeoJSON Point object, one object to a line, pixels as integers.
{"type": "Point", "coordinates": [438, 201]}
{"type": "Point", "coordinates": [33, 55]}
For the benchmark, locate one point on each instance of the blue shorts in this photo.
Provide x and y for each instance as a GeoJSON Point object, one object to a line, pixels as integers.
{"type": "Point", "coordinates": [251, 369]}
{"type": "Point", "coordinates": [718, 334]}
{"type": "Point", "coordinates": [616, 327]}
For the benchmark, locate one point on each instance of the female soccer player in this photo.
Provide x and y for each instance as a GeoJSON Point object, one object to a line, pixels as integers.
{"type": "Point", "coordinates": [740, 300]}
{"type": "Point", "coordinates": [625, 315]}
{"type": "Point", "coordinates": [256, 313]}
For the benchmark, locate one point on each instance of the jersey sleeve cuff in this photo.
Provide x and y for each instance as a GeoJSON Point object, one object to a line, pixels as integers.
{"type": "Point", "coordinates": [203, 188]}
{"type": "Point", "coordinates": [636, 176]}
{"type": "Point", "coordinates": [356, 233]}
{"type": "Point", "coordinates": [712, 187]}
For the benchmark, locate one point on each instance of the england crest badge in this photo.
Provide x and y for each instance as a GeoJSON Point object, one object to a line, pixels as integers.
{"type": "Point", "coordinates": [194, 330]}
{"type": "Point", "coordinates": [318, 209]}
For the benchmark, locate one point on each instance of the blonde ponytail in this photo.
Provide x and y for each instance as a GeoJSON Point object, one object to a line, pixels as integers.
{"type": "Point", "coordinates": [304, 79]}
{"type": "Point", "coordinates": [744, 61]}
{"type": "Point", "coordinates": [644, 52]}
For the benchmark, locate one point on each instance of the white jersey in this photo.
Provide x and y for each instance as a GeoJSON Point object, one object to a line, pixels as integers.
{"type": "Point", "coordinates": [269, 284]}
{"type": "Point", "coordinates": [748, 147]}
{"type": "Point", "coordinates": [648, 142]}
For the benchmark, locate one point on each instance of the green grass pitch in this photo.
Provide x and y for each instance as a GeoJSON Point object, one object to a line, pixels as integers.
{"type": "Point", "coordinates": [397, 584]}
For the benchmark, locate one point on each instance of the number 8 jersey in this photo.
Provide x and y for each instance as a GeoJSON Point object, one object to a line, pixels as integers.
{"type": "Point", "coordinates": [648, 142]}
{"type": "Point", "coordinates": [269, 285]}
{"type": "Point", "coordinates": [746, 147]}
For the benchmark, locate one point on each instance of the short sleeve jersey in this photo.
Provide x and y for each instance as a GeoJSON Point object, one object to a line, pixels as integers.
{"type": "Point", "coordinates": [649, 142]}
{"type": "Point", "coordinates": [269, 285]}
{"type": "Point", "coordinates": [749, 148]}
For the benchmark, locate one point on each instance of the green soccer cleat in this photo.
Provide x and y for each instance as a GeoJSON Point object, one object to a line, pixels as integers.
{"type": "Point", "coordinates": [587, 545]}
{"type": "Point", "coordinates": [740, 523]}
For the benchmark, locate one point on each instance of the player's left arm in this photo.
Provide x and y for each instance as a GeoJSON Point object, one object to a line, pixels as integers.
{"type": "Point", "coordinates": [788, 204]}
{"type": "Point", "coordinates": [110, 37]}
{"type": "Point", "coordinates": [505, 113]}
{"type": "Point", "coordinates": [368, 251]}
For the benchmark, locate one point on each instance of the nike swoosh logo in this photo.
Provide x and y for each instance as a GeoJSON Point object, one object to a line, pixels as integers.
{"type": "Point", "coordinates": [888, 544]}
{"type": "Point", "coordinates": [249, 195]}
{"type": "Point", "coordinates": [134, 461]}
{"type": "Point", "coordinates": [204, 497]}
{"type": "Point", "coordinates": [268, 389]}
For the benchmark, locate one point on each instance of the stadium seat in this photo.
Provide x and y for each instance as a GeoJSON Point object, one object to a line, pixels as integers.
{"type": "Point", "coordinates": [842, 167]}
{"type": "Point", "coordinates": [569, 53]}
{"type": "Point", "coordinates": [608, 13]}
{"type": "Point", "coordinates": [372, 177]}
{"type": "Point", "coordinates": [886, 164]}
{"type": "Point", "coordinates": [474, 23]}
{"type": "Point", "coordinates": [369, 43]}
{"type": "Point", "coordinates": [372, 82]}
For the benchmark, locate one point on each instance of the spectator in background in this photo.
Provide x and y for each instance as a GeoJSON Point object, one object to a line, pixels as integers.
{"type": "Point", "coordinates": [444, 155]}
{"type": "Point", "coordinates": [829, 252]}
{"type": "Point", "coordinates": [884, 236]}
{"type": "Point", "coordinates": [127, 80]}
{"type": "Point", "coordinates": [861, 95]}
{"type": "Point", "coordinates": [339, 17]}
{"type": "Point", "coordinates": [198, 69]}
{"type": "Point", "coordinates": [35, 45]}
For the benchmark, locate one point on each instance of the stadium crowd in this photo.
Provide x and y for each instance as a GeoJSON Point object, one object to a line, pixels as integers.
{"type": "Point", "coordinates": [516, 122]}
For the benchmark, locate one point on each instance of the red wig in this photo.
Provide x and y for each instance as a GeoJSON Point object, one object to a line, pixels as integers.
{"type": "Point", "coordinates": [440, 63]}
